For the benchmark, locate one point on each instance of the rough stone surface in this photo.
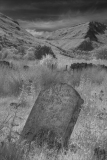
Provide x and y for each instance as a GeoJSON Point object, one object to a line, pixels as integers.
{"type": "Point", "coordinates": [53, 115]}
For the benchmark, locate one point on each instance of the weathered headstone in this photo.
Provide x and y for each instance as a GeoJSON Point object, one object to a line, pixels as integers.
{"type": "Point", "coordinates": [53, 115]}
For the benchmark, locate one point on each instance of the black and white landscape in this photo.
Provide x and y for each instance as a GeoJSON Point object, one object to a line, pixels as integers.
{"type": "Point", "coordinates": [53, 80]}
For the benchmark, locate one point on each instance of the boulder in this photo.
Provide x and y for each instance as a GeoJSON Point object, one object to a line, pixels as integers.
{"type": "Point", "coordinates": [53, 116]}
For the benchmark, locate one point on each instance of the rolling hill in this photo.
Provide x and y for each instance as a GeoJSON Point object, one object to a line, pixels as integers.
{"type": "Point", "coordinates": [13, 36]}
{"type": "Point", "coordinates": [79, 40]}
{"type": "Point", "coordinates": [85, 36]}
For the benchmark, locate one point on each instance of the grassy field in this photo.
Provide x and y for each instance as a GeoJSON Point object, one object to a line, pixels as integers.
{"type": "Point", "coordinates": [19, 89]}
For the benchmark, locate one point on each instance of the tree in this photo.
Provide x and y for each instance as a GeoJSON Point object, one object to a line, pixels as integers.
{"type": "Point", "coordinates": [43, 51]}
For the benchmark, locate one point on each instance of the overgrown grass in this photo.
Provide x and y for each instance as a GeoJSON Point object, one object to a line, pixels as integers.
{"type": "Point", "coordinates": [41, 75]}
{"type": "Point", "coordinates": [91, 128]}
{"type": "Point", "coordinates": [12, 151]}
{"type": "Point", "coordinates": [10, 82]}
{"type": "Point", "coordinates": [101, 53]}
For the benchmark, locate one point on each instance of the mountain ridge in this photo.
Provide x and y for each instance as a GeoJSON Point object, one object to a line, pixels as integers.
{"type": "Point", "coordinates": [83, 36]}
{"type": "Point", "coordinates": [67, 41]}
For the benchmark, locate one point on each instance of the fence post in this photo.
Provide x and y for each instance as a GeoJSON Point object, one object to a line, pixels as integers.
{"type": "Point", "coordinates": [52, 67]}
{"type": "Point", "coordinates": [66, 67]}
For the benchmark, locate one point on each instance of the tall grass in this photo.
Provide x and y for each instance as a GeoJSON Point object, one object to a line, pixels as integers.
{"type": "Point", "coordinates": [10, 82]}
{"type": "Point", "coordinates": [12, 151]}
{"type": "Point", "coordinates": [89, 130]}
{"type": "Point", "coordinates": [41, 75]}
{"type": "Point", "coordinates": [101, 53]}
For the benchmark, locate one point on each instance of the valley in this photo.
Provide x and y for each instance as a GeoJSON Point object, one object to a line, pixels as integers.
{"type": "Point", "coordinates": [30, 65]}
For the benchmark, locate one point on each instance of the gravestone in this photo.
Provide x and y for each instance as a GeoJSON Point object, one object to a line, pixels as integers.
{"type": "Point", "coordinates": [53, 115]}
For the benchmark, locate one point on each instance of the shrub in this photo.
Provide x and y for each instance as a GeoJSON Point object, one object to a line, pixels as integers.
{"type": "Point", "coordinates": [21, 50]}
{"type": "Point", "coordinates": [49, 61]}
{"type": "Point", "coordinates": [43, 51]}
{"type": "Point", "coordinates": [11, 151]}
{"type": "Point", "coordinates": [10, 82]}
{"type": "Point", "coordinates": [101, 53]}
{"type": "Point", "coordinates": [8, 53]}
{"type": "Point", "coordinates": [30, 54]}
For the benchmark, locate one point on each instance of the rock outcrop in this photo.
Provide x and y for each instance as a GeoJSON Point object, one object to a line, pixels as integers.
{"type": "Point", "coordinates": [53, 116]}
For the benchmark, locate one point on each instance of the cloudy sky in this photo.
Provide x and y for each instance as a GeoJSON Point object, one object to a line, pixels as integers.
{"type": "Point", "coordinates": [53, 14]}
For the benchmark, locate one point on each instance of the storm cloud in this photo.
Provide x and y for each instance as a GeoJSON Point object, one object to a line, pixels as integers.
{"type": "Point", "coordinates": [48, 9]}
{"type": "Point", "coordinates": [64, 20]}
{"type": "Point", "coordinates": [53, 14]}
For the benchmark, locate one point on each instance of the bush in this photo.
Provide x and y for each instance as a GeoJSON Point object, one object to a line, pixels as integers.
{"type": "Point", "coordinates": [30, 54]}
{"type": "Point", "coordinates": [49, 61]}
{"type": "Point", "coordinates": [8, 53]}
{"type": "Point", "coordinates": [101, 53]}
{"type": "Point", "coordinates": [21, 50]}
{"type": "Point", "coordinates": [11, 151]}
{"type": "Point", "coordinates": [10, 82]}
{"type": "Point", "coordinates": [43, 51]}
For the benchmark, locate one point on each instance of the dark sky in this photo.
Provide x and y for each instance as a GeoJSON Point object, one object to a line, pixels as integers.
{"type": "Point", "coordinates": [51, 10]}
{"type": "Point", "coordinates": [47, 9]}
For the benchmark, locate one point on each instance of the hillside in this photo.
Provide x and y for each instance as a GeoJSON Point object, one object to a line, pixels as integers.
{"type": "Point", "coordinates": [75, 42]}
{"type": "Point", "coordinates": [15, 39]}
{"type": "Point", "coordinates": [84, 37]}
{"type": "Point", "coordinates": [12, 34]}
